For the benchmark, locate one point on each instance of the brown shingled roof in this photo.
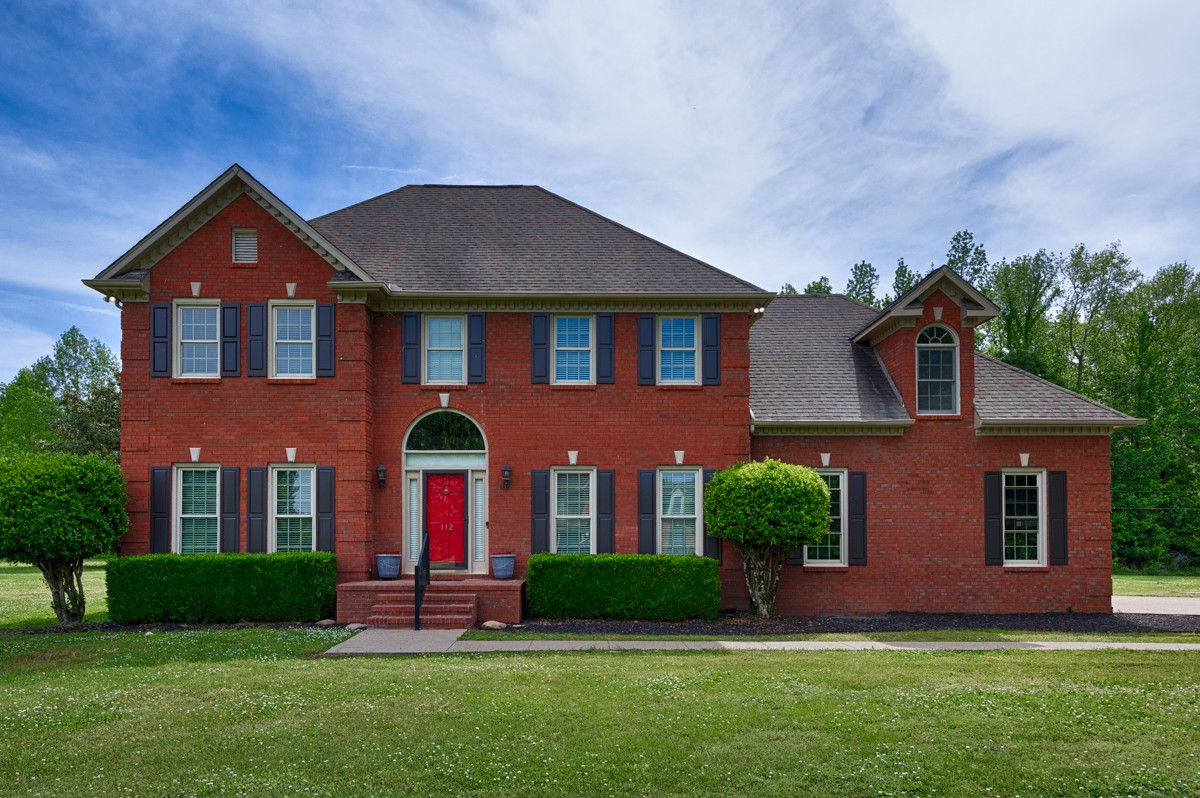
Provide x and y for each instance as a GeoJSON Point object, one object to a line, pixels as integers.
{"type": "Point", "coordinates": [804, 367]}
{"type": "Point", "coordinates": [1006, 393]}
{"type": "Point", "coordinates": [511, 239]}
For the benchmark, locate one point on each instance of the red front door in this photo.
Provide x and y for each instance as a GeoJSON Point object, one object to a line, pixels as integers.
{"type": "Point", "coordinates": [446, 518]}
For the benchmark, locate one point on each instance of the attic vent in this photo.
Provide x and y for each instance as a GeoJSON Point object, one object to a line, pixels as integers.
{"type": "Point", "coordinates": [245, 245]}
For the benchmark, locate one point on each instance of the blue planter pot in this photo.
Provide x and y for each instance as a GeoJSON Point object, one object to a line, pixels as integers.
{"type": "Point", "coordinates": [502, 565]}
{"type": "Point", "coordinates": [387, 566]}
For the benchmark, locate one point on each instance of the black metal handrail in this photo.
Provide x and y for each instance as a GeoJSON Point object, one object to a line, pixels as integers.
{"type": "Point", "coordinates": [421, 572]}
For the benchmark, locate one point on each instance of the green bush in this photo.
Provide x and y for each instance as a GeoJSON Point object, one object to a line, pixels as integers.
{"type": "Point", "coordinates": [56, 510]}
{"type": "Point", "coordinates": [221, 588]}
{"type": "Point", "coordinates": [651, 587]}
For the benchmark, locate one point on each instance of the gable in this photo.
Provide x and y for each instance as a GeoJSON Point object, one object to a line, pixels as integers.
{"type": "Point", "coordinates": [974, 307]}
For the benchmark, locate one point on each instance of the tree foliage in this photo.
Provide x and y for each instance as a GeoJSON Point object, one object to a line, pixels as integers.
{"type": "Point", "coordinates": [788, 290]}
{"type": "Point", "coordinates": [67, 401]}
{"type": "Point", "coordinates": [56, 510]}
{"type": "Point", "coordinates": [819, 286]}
{"type": "Point", "coordinates": [904, 280]}
{"type": "Point", "coordinates": [766, 509]}
{"type": "Point", "coordinates": [863, 282]}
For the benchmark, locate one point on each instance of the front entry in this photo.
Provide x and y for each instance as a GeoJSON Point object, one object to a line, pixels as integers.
{"type": "Point", "coordinates": [446, 518]}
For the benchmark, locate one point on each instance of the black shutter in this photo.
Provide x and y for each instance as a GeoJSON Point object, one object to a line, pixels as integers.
{"type": "Point", "coordinates": [605, 336]}
{"type": "Point", "coordinates": [993, 518]}
{"type": "Point", "coordinates": [645, 351]}
{"type": "Point", "coordinates": [605, 511]}
{"type": "Point", "coordinates": [476, 347]}
{"type": "Point", "coordinates": [326, 351]}
{"type": "Point", "coordinates": [256, 510]}
{"type": "Point", "coordinates": [858, 518]}
{"type": "Point", "coordinates": [325, 508]}
{"type": "Point", "coordinates": [230, 507]}
{"type": "Point", "coordinates": [647, 520]}
{"type": "Point", "coordinates": [712, 545]}
{"type": "Point", "coordinates": [160, 340]}
{"type": "Point", "coordinates": [410, 353]}
{"type": "Point", "coordinates": [710, 324]}
{"type": "Point", "coordinates": [1057, 512]}
{"type": "Point", "coordinates": [539, 482]}
{"type": "Point", "coordinates": [160, 510]}
{"type": "Point", "coordinates": [256, 340]}
{"type": "Point", "coordinates": [539, 336]}
{"type": "Point", "coordinates": [231, 339]}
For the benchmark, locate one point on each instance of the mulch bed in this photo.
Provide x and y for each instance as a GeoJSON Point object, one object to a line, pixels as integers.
{"type": "Point", "coordinates": [735, 624]}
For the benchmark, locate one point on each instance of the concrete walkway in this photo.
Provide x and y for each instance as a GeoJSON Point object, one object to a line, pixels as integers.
{"type": "Point", "coordinates": [446, 641]}
{"type": "Point", "coordinates": [1156, 605]}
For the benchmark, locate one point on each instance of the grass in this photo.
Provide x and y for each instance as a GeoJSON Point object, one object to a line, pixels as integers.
{"type": "Point", "coordinates": [25, 598]}
{"type": "Point", "coordinates": [251, 712]}
{"type": "Point", "coordinates": [1156, 585]}
{"type": "Point", "coordinates": [916, 635]}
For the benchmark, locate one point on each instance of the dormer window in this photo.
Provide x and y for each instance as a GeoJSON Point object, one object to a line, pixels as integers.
{"type": "Point", "coordinates": [245, 245]}
{"type": "Point", "coordinates": [937, 371]}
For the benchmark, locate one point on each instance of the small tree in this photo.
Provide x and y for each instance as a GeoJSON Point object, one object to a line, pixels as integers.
{"type": "Point", "coordinates": [56, 510]}
{"type": "Point", "coordinates": [766, 509]}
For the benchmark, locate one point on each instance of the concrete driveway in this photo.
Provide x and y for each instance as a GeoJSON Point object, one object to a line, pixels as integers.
{"type": "Point", "coordinates": [1156, 605]}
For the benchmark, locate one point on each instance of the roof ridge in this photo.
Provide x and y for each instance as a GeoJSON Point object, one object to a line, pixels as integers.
{"type": "Point", "coordinates": [1055, 385]}
{"type": "Point", "coordinates": [645, 237]}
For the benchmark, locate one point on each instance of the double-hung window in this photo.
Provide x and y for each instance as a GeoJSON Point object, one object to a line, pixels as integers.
{"type": "Point", "coordinates": [677, 350]}
{"type": "Point", "coordinates": [1024, 517]}
{"type": "Point", "coordinates": [444, 345]}
{"type": "Point", "coordinates": [199, 344]}
{"type": "Point", "coordinates": [292, 516]}
{"type": "Point", "coordinates": [574, 504]}
{"type": "Point", "coordinates": [937, 371]}
{"type": "Point", "coordinates": [573, 348]}
{"type": "Point", "coordinates": [292, 339]}
{"type": "Point", "coordinates": [196, 522]}
{"type": "Point", "coordinates": [679, 511]}
{"type": "Point", "coordinates": [831, 548]}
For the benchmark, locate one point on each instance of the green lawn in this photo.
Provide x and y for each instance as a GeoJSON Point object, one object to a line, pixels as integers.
{"type": "Point", "coordinates": [251, 712]}
{"type": "Point", "coordinates": [1152, 585]}
{"type": "Point", "coordinates": [25, 599]}
{"type": "Point", "coordinates": [916, 635]}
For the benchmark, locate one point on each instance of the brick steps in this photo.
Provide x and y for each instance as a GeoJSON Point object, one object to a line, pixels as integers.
{"type": "Point", "coordinates": [442, 609]}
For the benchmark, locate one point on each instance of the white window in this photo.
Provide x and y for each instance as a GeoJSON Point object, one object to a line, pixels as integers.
{"type": "Point", "coordinates": [196, 520]}
{"type": "Point", "coordinates": [573, 349]}
{"type": "Point", "coordinates": [677, 350]}
{"type": "Point", "coordinates": [445, 343]}
{"type": "Point", "coordinates": [292, 512]}
{"type": "Point", "coordinates": [197, 331]}
{"type": "Point", "coordinates": [937, 371]}
{"type": "Point", "coordinates": [680, 520]}
{"type": "Point", "coordinates": [292, 336]}
{"type": "Point", "coordinates": [245, 245]}
{"type": "Point", "coordinates": [831, 548]}
{"type": "Point", "coordinates": [1024, 517]}
{"type": "Point", "coordinates": [574, 502]}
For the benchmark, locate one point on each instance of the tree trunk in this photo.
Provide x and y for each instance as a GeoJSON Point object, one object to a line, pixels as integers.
{"type": "Point", "coordinates": [65, 578]}
{"type": "Point", "coordinates": [761, 566]}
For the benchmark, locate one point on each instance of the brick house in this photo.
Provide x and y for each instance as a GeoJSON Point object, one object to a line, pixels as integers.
{"type": "Point", "coordinates": [511, 373]}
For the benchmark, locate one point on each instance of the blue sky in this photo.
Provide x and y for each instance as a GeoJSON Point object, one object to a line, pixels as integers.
{"type": "Point", "coordinates": [778, 141]}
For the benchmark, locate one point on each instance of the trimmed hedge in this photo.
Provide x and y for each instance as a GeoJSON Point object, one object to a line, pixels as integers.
{"type": "Point", "coordinates": [221, 588]}
{"type": "Point", "coordinates": [650, 587]}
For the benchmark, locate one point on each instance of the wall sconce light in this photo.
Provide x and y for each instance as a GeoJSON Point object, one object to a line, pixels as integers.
{"type": "Point", "coordinates": [506, 476]}
{"type": "Point", "coordinates": [381, 475]}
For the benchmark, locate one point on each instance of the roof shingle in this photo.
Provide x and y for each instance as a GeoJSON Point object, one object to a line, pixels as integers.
{"type": "Point", "coordinates": [1004, 392]}
{"type": "Point", "coordinates": [510, 239]}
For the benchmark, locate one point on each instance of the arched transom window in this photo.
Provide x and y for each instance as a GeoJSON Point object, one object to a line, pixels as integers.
{"type": "Point", "coordinates": [937, 371]}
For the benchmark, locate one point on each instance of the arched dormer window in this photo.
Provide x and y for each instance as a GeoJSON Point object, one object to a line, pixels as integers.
{"type": "Point", "coordinates": [937, 371]}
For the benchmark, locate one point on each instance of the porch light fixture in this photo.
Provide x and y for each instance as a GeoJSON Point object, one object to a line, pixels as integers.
{"type": "Point", "coordinates": [381, 475]}
{"type": "Point", "coordinates": [506, 476]}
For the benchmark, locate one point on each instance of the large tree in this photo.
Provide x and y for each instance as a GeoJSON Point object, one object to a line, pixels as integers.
{"type": "Point", "coordinates": [863, 282]}
{"type": "Point", "coordinates": [1026, 289]}
{"type": "Point", "coordinates": [970, 260]}
{"type": "Point", "coordinates": [67, 401]}
{"type": "Point", "coordinates": [1095, 282]}
{"type": "Point", "coordinates": [819, 286]}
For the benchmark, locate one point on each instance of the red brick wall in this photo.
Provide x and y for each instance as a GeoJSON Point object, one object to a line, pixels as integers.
{"type": "Point", "coordinates": [925, 539]}
{"type": "Point", "coordinates": [359, 418]}
{"type": "Point", "coordinates": [248, 421]}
